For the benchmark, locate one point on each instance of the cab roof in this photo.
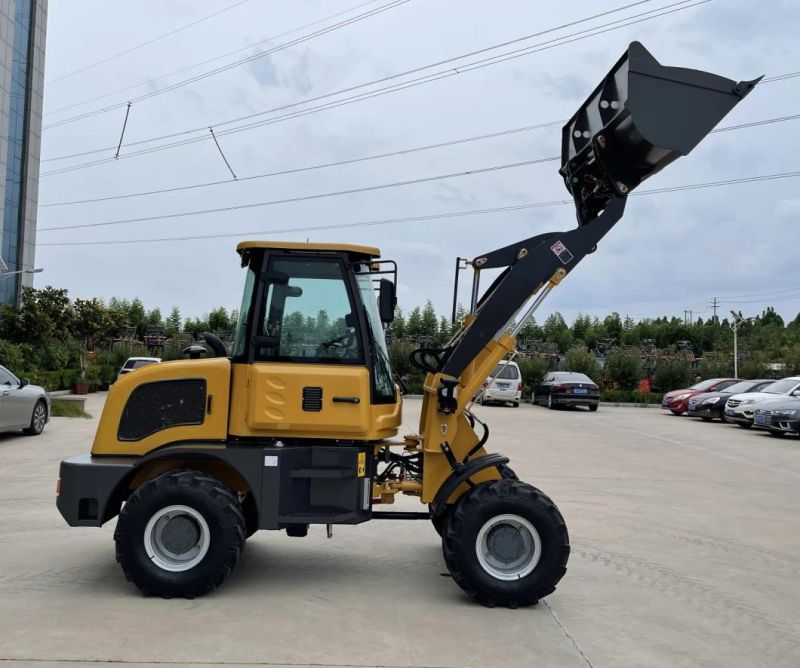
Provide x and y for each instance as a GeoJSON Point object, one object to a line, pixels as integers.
{"type": "Point", "coordinates": [352, 249]}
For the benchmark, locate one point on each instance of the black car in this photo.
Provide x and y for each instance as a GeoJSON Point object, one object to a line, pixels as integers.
{"type": "Point", "coordinates": [779, 417]}
{"type": "Point", "coordinates": [710, 405]}
{"type": "Point", "coordinates": [566, 388]}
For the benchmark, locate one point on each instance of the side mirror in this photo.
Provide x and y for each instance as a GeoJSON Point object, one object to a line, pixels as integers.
{"type": "Point", "coordinates": [24, 381]}
{"type": "Point", "coordinates": [387, 301]}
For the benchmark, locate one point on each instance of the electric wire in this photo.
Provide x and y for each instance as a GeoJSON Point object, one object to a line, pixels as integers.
{"type": "Point", "coordinates": [151, 81]}
{"type": "Point", "coordinates": [229, 66]}
{"type": "Point", "coordinates": [452, 71]}
{"type": "Point", "coordinates": [147, 43]}
{"type": "Point", "coordinates": [378, 156]}
{"type": "Point", "coordinates": [393, 221]}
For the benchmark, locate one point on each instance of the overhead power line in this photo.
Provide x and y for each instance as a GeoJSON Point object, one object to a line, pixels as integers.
{"type": "Point", "coordinates": [147, 43]}
{"type": "Point", "coordinates": [224, 68]}
{"type": "Point", "coordinates": [427, 78]}
{"type": "Point", "coordinates": [378, 156]}
{"type": "Point", "coordinates": [149, 82]}
{"type": "Point", "coordinates": [693, 186]}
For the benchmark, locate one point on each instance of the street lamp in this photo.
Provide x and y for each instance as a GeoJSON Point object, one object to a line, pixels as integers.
{"type": "Point", "coordinates": [20, 271]}
{"type": "Point", "coordinates": [737, 321]}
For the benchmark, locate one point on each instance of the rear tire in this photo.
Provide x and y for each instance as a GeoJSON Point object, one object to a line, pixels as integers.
{"type": "Point", "coordinates": [506, 544]}
{"type": "Point", "coordinates": [593, 408]}
{"type": "Point", "coordinates": [706, 419]}
{"type": "Point", "coordinates": [515, 404]}
{"type": "Point", "coordinates": [550, 404]}
{"type": "Point", "coordinates": [180, 534]}
{"type": "Point", "coordinates": [744, 425]}
{"type": "Point", "coordinates": [777, 434]}
{"type": "Point", "coordinates": [38, 419]}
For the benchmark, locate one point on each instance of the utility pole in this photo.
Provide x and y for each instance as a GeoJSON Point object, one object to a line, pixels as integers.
{"type": "Point", "coordinates": [715, 306]}
{"type": "Point", "coordinates": [737, 321]}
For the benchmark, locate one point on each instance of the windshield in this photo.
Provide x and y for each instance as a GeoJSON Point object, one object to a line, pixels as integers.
{"type": "Point", "coordinates": [508, 371]}
{"type": "Point", "coordinates": [384, 385]}
{"type": "Point", "coordinates": [240, 338]}
{"type": "Point", "coordinates": [138, 364]}
{"type": "Point", "coordinates": [781, 386]}
{"type": "Point", "coordinates": [705, 384]}
{"type": "Point", "coordinates": [741, 388]}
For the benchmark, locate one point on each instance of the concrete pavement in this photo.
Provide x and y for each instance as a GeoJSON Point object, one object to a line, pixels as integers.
{"type": "Point", "coordinates": [685, 537]}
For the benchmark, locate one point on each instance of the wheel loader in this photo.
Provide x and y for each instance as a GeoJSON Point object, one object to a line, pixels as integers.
{"type": "Point", "coordinates": [298, 424]}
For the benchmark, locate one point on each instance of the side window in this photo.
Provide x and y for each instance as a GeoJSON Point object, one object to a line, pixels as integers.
{"type": "Point", "coordinates": [308, 314]}
{"type": "Point", "coordinates": [6, 378]}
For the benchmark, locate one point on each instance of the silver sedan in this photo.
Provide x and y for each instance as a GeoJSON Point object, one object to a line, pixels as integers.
{"type": "Point", "coordinates": [22, 405]}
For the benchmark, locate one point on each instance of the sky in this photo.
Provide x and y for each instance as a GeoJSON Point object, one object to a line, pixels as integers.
{"type": "Point", "coordinates": [671, 252]}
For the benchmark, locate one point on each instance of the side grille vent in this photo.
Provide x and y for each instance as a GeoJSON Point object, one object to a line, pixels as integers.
{"type": "Point", "coordinates": [312, 399]}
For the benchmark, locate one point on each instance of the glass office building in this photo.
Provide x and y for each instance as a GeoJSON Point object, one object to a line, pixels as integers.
{"type": "Point", "coordinates": [22, 40]}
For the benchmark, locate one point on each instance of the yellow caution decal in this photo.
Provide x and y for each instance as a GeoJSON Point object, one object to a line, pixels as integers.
{"type": "Point", "coordinates": [362, 464]}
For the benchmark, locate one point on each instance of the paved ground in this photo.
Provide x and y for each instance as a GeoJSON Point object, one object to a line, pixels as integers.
{"type": "Point", "coordinates": [686, 544]}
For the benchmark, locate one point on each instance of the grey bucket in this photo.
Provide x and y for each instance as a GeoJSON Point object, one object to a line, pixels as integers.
{"type": "Point", "coordinates": [642, 117]}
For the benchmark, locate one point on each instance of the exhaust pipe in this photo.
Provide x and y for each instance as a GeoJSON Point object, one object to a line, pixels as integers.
{"type": "Point", "coordinates": [642, 117]}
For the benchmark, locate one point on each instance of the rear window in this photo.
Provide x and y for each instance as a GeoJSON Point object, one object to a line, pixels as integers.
{"type": "Point", "coordinates": [572, 378]}
{"type": "Point", "coordinates": [508, 371]}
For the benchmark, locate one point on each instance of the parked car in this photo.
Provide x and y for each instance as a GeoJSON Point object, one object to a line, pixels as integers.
{"type": "Point", "coordinates": [710, 405]}
{"type": "Point", "coordinates": [740, 408]}
{"type": "Point", "coordinates": [566, 388]}
{"type": "Point", "coordinates": [22, 405]}
{"type": "Point", "coordinates": [504, 385]}
{"type": "Point", "coordinates": [677, 401]}
{"type": "Point", "coordinates": [778, 416]}
{"type": "Point", "coordinates": [137, 363]}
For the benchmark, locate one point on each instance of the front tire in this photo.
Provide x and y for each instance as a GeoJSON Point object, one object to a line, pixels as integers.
{"type": "Point", "coordinates": [550, 404]}
{"type": "Point", "coordinates": [506, 544]}
{"type": "Point", "coordinates": [676, 412]}
{"type": "Point", "coordinates": [777, 434]}
{"type": "Point", "coordinates": [180, 535]}
{"type": "Point", "coordinates": [38, 419]}
{"type": "Point", "coordinates": [744, 425]}
{"type": "Point", "coordinates": [593, 408]}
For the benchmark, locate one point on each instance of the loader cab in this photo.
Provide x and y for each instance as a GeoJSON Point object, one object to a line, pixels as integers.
{"type": "Point", "coordinates": [309, 355]}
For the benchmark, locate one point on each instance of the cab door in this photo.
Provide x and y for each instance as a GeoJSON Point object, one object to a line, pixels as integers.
{"type": "Point", "coordinates": [308, 375]}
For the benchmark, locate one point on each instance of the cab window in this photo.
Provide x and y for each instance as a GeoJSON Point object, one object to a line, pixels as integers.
{"type": "Point", "coordinates": [308, 314]}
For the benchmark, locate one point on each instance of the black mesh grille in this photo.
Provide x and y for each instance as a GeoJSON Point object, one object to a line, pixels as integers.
{"type": "Point", "coordinates": [312, 399]}
{"type": "Point", "coordinates": [161, 405]}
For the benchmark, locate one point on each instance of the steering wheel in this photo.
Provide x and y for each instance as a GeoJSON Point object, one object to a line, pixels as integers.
{"type": "Point", "coordinates": [339, 343]}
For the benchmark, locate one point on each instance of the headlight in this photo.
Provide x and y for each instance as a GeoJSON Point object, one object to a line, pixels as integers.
{"type": "Point", "coordinates": [711, 400]}
{"type": "Point", "coordinates": [747, 402]}
{"type": "Point", "coordinates": [792, 412]}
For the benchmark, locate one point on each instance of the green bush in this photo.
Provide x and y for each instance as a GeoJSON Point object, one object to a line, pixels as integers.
{"type": "Point", "coordinates": [580, 361]}
{"type": "Point", "coordinates": [61, 408]}
{"type": "Point", "coordinates": [716, 366]}
{"type": "Point", "coordinates": [673, 373]}
{"type": "Point", "coordinates": [12, 355]}
{"type": "Point", "coordinates": [630, 397]}
{"type": "Point", "coordinates": [533, 370]}
{"type": "Point", "coordinates": [624, 368]}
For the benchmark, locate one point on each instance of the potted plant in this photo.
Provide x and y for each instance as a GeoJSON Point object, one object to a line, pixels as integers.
{"type": "Point", "coordinates": [81, 385]}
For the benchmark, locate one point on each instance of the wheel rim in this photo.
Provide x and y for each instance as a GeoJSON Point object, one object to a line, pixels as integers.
{"type": "Point", "coordinates": [549, 400]}
{"type": "Point", "coordinates": [508, 547]}
{"type": "Point", "coordinates": [38, 417]}
{"type": "Point", "coordinates": [177, 538]}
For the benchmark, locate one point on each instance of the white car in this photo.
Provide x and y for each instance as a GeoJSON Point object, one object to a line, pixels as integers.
{"type": "Point", "coordinates": [504, 385]}
{"type": "Point", "coordinates": [137, 363]}
{"type": "Point", "coordinates": [740, 407]}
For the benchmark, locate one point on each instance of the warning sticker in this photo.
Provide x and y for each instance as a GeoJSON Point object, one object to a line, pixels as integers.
{"type": "Point", "coordinates": [562, 252]}
{"type": "Point", "coordinates": [362, 464]}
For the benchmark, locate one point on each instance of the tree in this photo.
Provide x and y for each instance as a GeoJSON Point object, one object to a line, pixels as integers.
{"type": "Point", "coordinates": [429, 325]}
{"type": "Point", "coordinates": [92, 321]}
{"type": "Point", "coordinates": [173, 323]}
{"type": "Point", "coordinates": [624, 368]}
{"type": "Point", "coordinates": [445, 332]}
{"type": "Point", "coordinates": [398, 326]}
{"type": "Point", "coordinates": [153, 318]}
{"type": "Point", "coordinates": [43, 315]}
{"type": "Point", "coordinates": [581, 362]}
{"type": "Point", "coordinates": [673, 373]}
{"type": "Point", "coordinates": [218, 320]}
{"type": "Point", "coordinates": [414, 325]}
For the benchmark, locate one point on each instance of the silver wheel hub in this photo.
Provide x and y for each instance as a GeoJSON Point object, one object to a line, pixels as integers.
{"type": "Point", "coordinates": [177, 538]}
{"type": "Point", "coordinates": [508, 547]}
{"type": "Point", "coordinates": [38, 417]}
